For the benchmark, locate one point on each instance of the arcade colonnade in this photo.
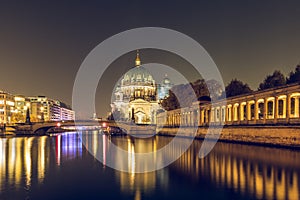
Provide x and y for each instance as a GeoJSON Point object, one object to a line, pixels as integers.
{"type": "Point", "coordinates": [279, 105]}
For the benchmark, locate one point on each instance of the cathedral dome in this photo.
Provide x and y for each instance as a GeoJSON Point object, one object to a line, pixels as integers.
{"type": "Point", "coordinates": [166, 81]}
{"type": "Point", "coordinates": [138, 75]}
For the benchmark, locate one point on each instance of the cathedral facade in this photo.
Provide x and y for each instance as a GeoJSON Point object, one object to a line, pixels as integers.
{"type": "Point", "coordinates": [135, 97]}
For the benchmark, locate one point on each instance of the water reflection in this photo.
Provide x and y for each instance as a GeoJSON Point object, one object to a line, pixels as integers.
{"type": "Point", "coordinates": [258, 172]}
{"type": "Point", "coordinates": [130, 183]}
{"type": "Point", "coordinates": [17, 158]}
{"type": "Point", "coordinates": [261, 172]}
{"type": "Point", "coordinates": [137, 183]}
{"type": "Point", "coordinates": [248, 171]}
{"type": "Point", "coordinates": [24, 160]}
{"type": "Point", "coordinates": [145, 183]}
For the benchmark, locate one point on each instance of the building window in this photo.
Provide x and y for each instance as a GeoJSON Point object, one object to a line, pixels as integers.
{"type": "Point", "coordinates": [280, 107]}
{"type": "Point", "coordinates": [223, 114]}
{"type": "Point", "coordinates": [244, 112]}
{"type": "Point", "coordinates": [270, 108]}
{"type": "Point", "coordinates": [261, 110]}
{"type": "Point", "coordinates": [293, 106]}
{"type": "Point", "coordinates": [252, 108]}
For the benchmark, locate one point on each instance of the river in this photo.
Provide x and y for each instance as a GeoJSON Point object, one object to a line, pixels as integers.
{"type": "Point", "coordinates": [60, 167]}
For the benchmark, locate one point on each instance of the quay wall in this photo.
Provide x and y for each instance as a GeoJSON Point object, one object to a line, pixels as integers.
{"type": "Point", "coordinates": [279, 136]}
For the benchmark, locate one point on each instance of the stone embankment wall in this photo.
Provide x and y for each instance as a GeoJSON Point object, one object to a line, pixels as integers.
{"type": "Point", "coordinates": [279, 136]}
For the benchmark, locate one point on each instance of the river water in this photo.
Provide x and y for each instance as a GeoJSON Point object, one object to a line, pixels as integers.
{"type": "Point", "coordinates": [60, 167]}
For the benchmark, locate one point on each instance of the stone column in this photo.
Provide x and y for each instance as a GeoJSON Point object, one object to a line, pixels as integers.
{"type": "Point", "coordinates": [275, 109]}
{"type": "Point", "coordinates": [212, 115]}
{"type": "Point", "coordinates": [204, 117]}
{"type": "Point", "coordinates": [284, 107]}
{"type": "Point", "coordinates": [255, 110]}
{"type": "Point", "coordinates": [248, 110]}
{"type": "Point", "coordinates": [187, 118]}
{"type": "Point", "coordinates": [239, 113]}
{"type": "Point", "coordinates": [174, 118]}
{"type": "Point", "coordinates": [265, 110]}
{"type": "Point", "coordinates": [226, 115]}
{"type": "Point", "coordinates": [288, 108]}
{"type": "Point", "coordinates": [200, 119]}
{"type": "Point", "coordinates": [191, 117]}
{"type": "Point", "coordinates": [235, 113]}
{"type": "Point", "coordinates": [232, 113]}
{"type": "Point", "coordinates": [297, 107]}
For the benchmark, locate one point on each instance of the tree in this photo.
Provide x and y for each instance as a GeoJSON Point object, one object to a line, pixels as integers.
{"type": "Point", "coordinates": [115, 115]}
{"type": "Point", "coordinates": [199, 87]}
{"type": "Point", "coordinates": [274, 80]}
{"type": "Point", "coordinates": [171, 102]}
{"type": "Point", "coordinates": [27, 118]}
{"type": "Point", "coordinates": [294, 76]}
{"type": "Point", "coordinates": [237, 87]}
{"type": "Point", "coordinates": [215, 89]}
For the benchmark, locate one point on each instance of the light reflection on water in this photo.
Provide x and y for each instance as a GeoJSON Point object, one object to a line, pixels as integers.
{"type": "Point", "coordinates": [30, 166]}
{"type": "Point", "coordinates": [264, 173]}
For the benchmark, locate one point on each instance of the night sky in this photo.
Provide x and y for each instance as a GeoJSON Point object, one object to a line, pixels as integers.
{"type": "Point", "coordinates": [43, 43]}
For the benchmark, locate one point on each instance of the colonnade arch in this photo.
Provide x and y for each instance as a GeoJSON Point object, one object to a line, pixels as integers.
{"type": "Point", "coordinates": [274, 106]}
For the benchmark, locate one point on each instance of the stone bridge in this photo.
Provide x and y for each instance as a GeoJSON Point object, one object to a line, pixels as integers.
{"type": "Point", "coordinates": [44, 127]}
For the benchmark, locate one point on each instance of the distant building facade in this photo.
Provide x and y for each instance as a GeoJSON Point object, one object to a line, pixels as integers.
{"type": "Point", "coordinates": [13, 109]}
{"type": "Point", "coordinates": [164, 87]}
{"type": "Point", "coordinates": [46, 109]}
{"type": "Point", "coordinates": [22, 103]}
{"type": "Point", "coordinates": [7, 104]}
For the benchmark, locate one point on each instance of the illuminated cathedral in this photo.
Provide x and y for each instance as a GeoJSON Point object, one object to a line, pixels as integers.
{"type": "Point", "coordinates": [135, 98]}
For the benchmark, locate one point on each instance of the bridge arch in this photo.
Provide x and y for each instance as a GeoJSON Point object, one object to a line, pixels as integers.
{"type": "Point", "coordinates": [44, 129]}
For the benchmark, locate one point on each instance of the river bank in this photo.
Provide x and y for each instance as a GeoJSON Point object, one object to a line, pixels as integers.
{"type": "Point", "coordinates": [277, 136]}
